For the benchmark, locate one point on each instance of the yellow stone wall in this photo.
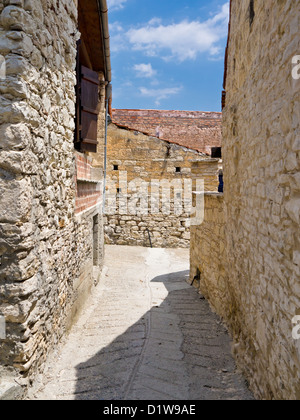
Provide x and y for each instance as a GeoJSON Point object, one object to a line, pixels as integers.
{"type": "Point", "coordinates": [207, 255]}
{"type": "Point", "coordinates": [149, 158]}
{"type": "Point", "coordinates": [261, 150]}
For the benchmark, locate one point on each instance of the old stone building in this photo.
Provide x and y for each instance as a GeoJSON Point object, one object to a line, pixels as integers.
{"type": "Point", "coordinates": [245, 255]}
{"type": "Point", "coordinates": [51, 240]}
{"type": "Point", "coordinates": [154, 160]}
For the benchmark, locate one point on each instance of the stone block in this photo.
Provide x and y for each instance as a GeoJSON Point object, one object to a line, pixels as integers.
{"type": "Point", "coordinates": [291, 162]}
{"type": "Point", "coordinates": [14, 137]}
{"type": "Point", "coordinates": [16, 18]}
{"type": "Point", "coordinates": [296, 144]}
{"type": "Point", "coordinates": [16, 200]}
{"type": "Point", "coordinates": [293, 210]}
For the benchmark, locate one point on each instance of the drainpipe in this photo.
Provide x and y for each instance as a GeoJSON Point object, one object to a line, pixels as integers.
{"type": "Point", "coordinates": [103, 12]}
{"type": "Point", "coordinates": [102, 5]}
{"type": "Point", "coordinates": [108, 95]}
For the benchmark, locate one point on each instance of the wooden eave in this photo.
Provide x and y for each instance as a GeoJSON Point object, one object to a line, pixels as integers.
{"type": "Point", "coordinates": [91, 31]}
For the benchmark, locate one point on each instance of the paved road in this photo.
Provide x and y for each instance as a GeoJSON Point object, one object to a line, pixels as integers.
{"type": "Point", "coordinates": [146, 335]}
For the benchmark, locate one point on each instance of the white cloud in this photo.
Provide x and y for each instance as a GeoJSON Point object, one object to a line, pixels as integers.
{"type": "Point", "coordinates": [115, 27]}
{"type": "Point", "coordinates": [155, 21]}
{"type": "Point", "coordinates": [117, 38]}
{"type": "Point", "coordinates": [116, 4]}
{"type": "Point", "coordinates": [160, 94]}
{"type": "Point", "coordinates": [144, 70]}
{"type": "Point", "coordinates": [184, 40]}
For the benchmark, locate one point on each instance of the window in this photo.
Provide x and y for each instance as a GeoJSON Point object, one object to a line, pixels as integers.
{"type": "Point", "coordinates": [251, 12]}
{"type": "Point", "coordinates": [116, 167]}
{"type": "Point", "coordinates": [178, 169]}
{"type": "Point", "coordinates": [216, 152]}
{"type": "Point", "coordinates": [87, 107]}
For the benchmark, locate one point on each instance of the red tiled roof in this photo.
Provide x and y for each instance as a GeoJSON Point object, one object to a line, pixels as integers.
{"type": "Point", "coordinates": [192, 129]}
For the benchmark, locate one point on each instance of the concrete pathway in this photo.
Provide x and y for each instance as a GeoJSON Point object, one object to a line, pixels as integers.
{"type": "Point", "coordinates": [145, 334]}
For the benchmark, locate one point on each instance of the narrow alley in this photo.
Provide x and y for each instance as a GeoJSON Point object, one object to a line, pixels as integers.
{"type": "Point", "coordinates": [145, 334]}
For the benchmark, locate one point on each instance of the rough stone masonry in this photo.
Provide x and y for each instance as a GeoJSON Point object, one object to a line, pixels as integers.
{"type": "Point", "coordinates": [46, 251]}
{"type": "Point", "coordinates": [160, 176]}
{"type": "Point", "coordinates": [255, 284]}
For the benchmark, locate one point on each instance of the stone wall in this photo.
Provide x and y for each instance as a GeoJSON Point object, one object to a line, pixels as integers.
{"type": "Point", "coordinates": [261, 150]}
{"type": "Point", "coordinates": [133, 156]}
{"type": "Point", "coordinates": [46, 250]}
{"type": "Point", "coordinates": [207, 255]}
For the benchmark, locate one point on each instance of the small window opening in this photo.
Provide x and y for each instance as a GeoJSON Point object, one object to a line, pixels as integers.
{"type": "Point", "coordinates": [116, 167]}
{"type": "Point", "coordinates": [252, 12]}
{"type": "Point", "coordinates": [216, 152]}
{"type": "Point", "coordinates": [221, 182]}
{"type": "Point", "coordinates": [178, 169]}
{"type": "Point", "coordinates": [119, 190]}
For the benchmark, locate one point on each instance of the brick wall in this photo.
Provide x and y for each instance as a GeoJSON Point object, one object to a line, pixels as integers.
{"type": "Point", "coordinates": [89, 183]}
{"type": "Point", "coordinates": [84, 167]}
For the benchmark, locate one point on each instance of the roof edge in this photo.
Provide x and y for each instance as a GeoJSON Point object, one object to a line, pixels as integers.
{"type": "Point", "coordinates": [124, 127]}
{"type": "Point", "coordinates": [102, 4]}
{"type": "Point", "coordinates": [166, 110]}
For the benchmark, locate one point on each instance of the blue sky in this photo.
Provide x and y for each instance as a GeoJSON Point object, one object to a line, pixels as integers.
{"type": "Point", "coordinates": [168, 54]}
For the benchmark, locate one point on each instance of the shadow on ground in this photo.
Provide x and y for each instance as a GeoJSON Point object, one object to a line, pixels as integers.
{"type": "Point", "coordinates": [179, 350]}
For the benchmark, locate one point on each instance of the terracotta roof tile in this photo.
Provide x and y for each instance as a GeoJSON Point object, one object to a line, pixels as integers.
{"type": "Point", "coordinates": [192, 129]}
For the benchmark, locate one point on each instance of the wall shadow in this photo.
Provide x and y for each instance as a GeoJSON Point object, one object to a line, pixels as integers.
{"type": "Point", "coordinates": [179, 350]}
